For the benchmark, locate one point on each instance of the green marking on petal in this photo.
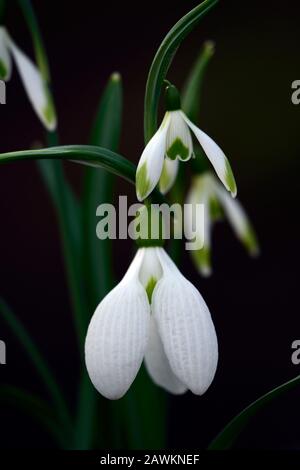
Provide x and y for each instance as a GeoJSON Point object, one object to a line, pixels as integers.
{"type": "Point", "coordinates": [49, 110]}
{"type": "Point", "coordinates": [230, 180]}
{"type": "Point", "coordinates": [202, 260]}
{"type": "Point", "coordinates": [164, 180]}
{"type": "Point", "coordinates": [150, 287]}
{"type": "Point", "coordinates": [178, 150]}
{"type": "Point", "coordinates": [215, 209]}
{"type": "Point", "coordinates": [250, 241]}
{"type": "Point", "coordinates": [142, 182]}
{"type": "Point", "coordinates": [3, 70]}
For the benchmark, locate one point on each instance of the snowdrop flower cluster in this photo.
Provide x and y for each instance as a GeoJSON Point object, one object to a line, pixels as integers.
{"type": "Point", "coordinates": [34, 84]}
{"type": "Point", "coordinates": [217, 202]}
{"type": "Point", "coordinates": [173, 142]}
{"type": "Point", "coordinates": [157, 315]}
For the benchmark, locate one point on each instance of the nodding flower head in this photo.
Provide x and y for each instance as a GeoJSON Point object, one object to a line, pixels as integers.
{"type": "Point", "coordinates": [34, 84]}
{"type": "Point", "coordinates": [173, 142]}
{"type": "Point", "coordinates": [207, 190]}
{"type": "Point", "coordinates": [157, 315]}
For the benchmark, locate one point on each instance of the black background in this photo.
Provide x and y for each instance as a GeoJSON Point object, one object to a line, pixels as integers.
{"type": "Point", "coordinates": [247, 108]}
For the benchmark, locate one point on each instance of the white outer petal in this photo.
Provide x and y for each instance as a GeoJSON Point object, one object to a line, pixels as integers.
{"type": "Point", "coordinates": [158, 365]}
{"type": "Point", "coordinates": [153, 156]}
{"type": "Point", "coordinates": [170, 168]}
{"type": "Point", "coordinates": [117, 335]}
{"type": "Point", "coordinates": [185, 327]}
{"type": "Point", "coordinates": [34, 85]}
{"type": "Point", "coordinates": [215, 155]}
{"type": "Point", "coordinates": [178, 129]}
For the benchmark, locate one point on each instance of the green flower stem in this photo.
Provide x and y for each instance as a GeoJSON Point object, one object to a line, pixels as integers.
{"type": "Point", "coordinates": [163, 60]}
{"type": "Point", "coordinates": [40, 364]}
{"type": "Point", "coordinates": [33, 26]}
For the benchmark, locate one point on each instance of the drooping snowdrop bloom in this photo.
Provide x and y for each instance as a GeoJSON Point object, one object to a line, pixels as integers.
{"type": "Point", "coordinates": [173, 142]}
{"type": "Point", "coordinates": [34, 84]}
{"type": "Point", "coordinates": [208, 191]}
{"type": "Point", "coordinates": [155, 314]}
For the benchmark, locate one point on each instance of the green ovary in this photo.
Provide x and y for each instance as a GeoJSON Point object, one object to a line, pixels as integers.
{"type": "Point", "coordinates": [178, 150]}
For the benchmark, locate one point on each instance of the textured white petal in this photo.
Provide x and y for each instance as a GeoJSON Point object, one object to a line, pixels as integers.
{"type": "Point", "coordinates": [185, 327]}
{"type": "Point", "coordinates": [158, 365]}
{"type": "Point", "coordinates": [35, 87]}
{"type": "Point", "coordinates": [179, 139]}
{"type": "Point", "coordinates": [151, 162]}
{"type": "Point", "coordinates": [239, 220]}
{"type": "Point", "coordinates": [5, 59]}
{"type": "Point", "coordinates": [216, 157]}
{"type": "Point", "coordinates": [117, 335]}
{"type": "Point", "coordinates": [200, 193]}
{"type": "Point", "coordinates": [168, 175]}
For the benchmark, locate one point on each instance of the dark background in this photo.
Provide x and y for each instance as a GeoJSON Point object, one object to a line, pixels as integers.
{"type": "Point", "coordinates": [247, 108]}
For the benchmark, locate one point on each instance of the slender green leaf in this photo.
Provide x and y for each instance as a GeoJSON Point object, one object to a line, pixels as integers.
{"type": "Point", "coordinates": [191, 96]}
{"type": "Point", "coordinates": [32, 24]}
{"type": "Point", "coordinates": [163, 60]}
{"type": "Point", "coordinates": [2, 10]}
{"type": "Point", "coordinates": [97, 255]}
{"type": "Point", "coordinates": [36, 408]}
{"type": "Point", "coordinates": [98, 189]}
{"type": "Point", "coordinates": [39, 362]}
{"type": "Point", "coordinates": [231, 432]}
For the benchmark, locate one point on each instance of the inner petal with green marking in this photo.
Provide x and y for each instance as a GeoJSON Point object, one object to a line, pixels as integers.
{"type": "Point", "coordinates": [150, 287]}
{"type": "Point", "coordinates": [178, 150]}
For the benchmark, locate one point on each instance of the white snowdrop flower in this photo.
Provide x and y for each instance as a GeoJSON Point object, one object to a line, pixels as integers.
{"type": "Point", "coordinates": [156, 314]}
{"type": "Point", "coordinates": [207, 190]}
{"type": "Point", "coordinates": [173, 142]}
{"type": "Point", "coordinates": [34, 84]}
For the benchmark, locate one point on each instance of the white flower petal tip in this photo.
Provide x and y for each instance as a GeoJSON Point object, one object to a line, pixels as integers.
{"type": "Point", "coordinates": [151, 162]}
{"type": "Point", "coordinates": [158, 365]}
{"type": "Point", "coordinates": [117, 336]}
{"type": "Point", "coordinates": [216, 156]}
{"type": "Point", "coordinates": [35, 87]}
{"type": "Point", "coordinates": [185, 327]}
{"type": "Point", "coordinates": [168, 175]}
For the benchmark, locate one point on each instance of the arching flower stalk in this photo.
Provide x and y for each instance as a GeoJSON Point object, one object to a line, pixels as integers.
{"type": "Point", "coordinates": [155, 314]}
{"type": "Point", "coordinates": [34, 84]}
{"type": "Point", "coordinates": [173, 142]}
{"type": "Point", "coordinates": [207, 190]}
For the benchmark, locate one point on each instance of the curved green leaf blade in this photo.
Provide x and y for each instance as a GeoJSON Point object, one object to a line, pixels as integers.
{"type": "Point", "coordinates": [98, 157]}
{"type": "Point", "coordinates": [191, 95]}
{"type": "Point", "coordinates": [97, 255]}
{"type": "Point", "coordinates": [231, 432]}
{"type": "Point", "coordinates": [33, 26]}
{"type": "Point", "coordinates": [35, 408]}
{"type": "Point", "coordinates": [37, 359]}
{"type": "Point", "coordinates": [163, 60]}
